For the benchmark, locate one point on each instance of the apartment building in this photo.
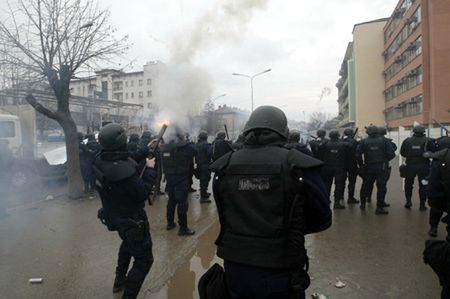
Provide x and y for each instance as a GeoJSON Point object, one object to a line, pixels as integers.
{"type": "Point", "coordinates": [116, 85]}
{"type": "Point", "coordinates": [361, 82]}
{"type": "Point", "coordinates": [416, 63]}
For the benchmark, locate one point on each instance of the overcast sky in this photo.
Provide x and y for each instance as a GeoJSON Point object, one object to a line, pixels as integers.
{"type": "Point", "coordinates": [303, 42]}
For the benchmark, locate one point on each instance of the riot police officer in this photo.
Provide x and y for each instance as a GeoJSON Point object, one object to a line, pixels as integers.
{"type": "Point", "coordinates": [220, 146]}
{"type": "Point", "coordinates": [177, 156]}
{"type": "Point", "coordinates": [294, 143]}
{"type": "Point", "coordinates": [203, 159]}
{"type": "Point", "coordinates": [123, 197]}
{"type": "Point", "coordinates": [351, 167]}
{"type": "Point", "coordinates": [268, 198]}
{"type": "Point", "coordinates": [413, 149]}
{"type": "Point", "coordinates": [316, 143]}
{"type": "Point", "coordinates": [334, 154]}
{"type": "Point", "coordinates": [133, 144]}
{"type": "Point", "coordinates": [435, 193]}
{"type": "Point", "coordinates": [239, 142]}
{"type": "Point", "coordinates": [374, 154]}
{"type": "Point", "coordinates": [437, 252]}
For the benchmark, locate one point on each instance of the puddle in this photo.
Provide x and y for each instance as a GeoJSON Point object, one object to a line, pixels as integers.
{"type": "Point", "coordinates": [183, 284]}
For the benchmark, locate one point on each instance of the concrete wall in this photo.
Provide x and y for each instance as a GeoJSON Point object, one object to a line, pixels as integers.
{"type": "Point", "coordinates": [369, 65]}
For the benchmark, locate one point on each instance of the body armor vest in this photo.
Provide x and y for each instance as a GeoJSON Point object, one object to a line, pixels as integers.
{"type": "Point", "coordinates": [203, 156]}
{"type": "Point", "coordinates": [334, 155]}
{"type": "Point", "coordinates": [374, 150]}
{"type": "Point", "coordinates": [261, 215]}
{"type": "Point", "coordinates": [175, 160]}
{"type": "Point", "coordinates": [416, 149]}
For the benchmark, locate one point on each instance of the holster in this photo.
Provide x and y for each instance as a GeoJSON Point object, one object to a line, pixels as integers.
{"type": "Point", "coordinates": [105, 219]}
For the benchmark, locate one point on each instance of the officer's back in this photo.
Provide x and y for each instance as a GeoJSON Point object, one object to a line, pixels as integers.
{"type": "Point", "coordinates": [294, 143]}
{"type": "Point", "coordinates": [220, 146]}
{"type": "Point", "coordinates": [333, 152]}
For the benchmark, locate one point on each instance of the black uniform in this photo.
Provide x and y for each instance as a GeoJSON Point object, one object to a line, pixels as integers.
{"type": "Point", "coordinates": [375, 152]}
{"type": "Point", "coordinates": [334, 154]}
{"type": "Point", "coordinates": [220, 146]}
{"type": "Point", "coordinates": [437, 252]}
{"type": "Point", "coordinates": [123, 196]}
{"type": "Point", "coordinates": [413, 149]}
{"type": "Point", "coordinates": [294, 143]}
{"type": "Point", "coordinates": [177, 157]}
{"type": "Point", "coordinates": [351, 167]}
{"type": "Point", "coordinates": [316, 143]}
{"type": "Point", "coordinates": [203, 159]}
{"type": "Point", "coordinates": [268, 198]}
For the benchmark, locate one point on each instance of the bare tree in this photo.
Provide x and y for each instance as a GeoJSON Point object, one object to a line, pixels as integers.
{"type": "Point", "coordinates": [53, 40]}
{"type": "Point", "coordinates": [316, 121]}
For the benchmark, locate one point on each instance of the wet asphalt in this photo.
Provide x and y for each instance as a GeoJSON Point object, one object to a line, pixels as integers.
{"type": "Point", "coordinates": [61, 241]}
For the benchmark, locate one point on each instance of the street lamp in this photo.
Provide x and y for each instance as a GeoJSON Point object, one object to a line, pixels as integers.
{"type": "Point", "coordinates": [251, 80]}
{"type": "Point", "coordinates": [215, 98]}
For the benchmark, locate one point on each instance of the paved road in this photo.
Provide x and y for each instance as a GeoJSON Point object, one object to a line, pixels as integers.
{"type": "Point", "coordinates": [61, 241]}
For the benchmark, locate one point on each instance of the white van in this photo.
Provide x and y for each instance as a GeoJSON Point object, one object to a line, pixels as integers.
{"type": "Point", "coordinates": [10, 130]}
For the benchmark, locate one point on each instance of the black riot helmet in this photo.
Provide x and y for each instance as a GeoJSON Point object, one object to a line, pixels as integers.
{"type": "Point", "coordinates": [134, 137]}
{"type": "Point", "coordinates": [419, 129]}
{"type": "Point", "coordinates": [348, 132]}
{"type": "Point", "coordinates": [294, 136]}
{"type": "Point", "coordinates": [382, 131]}
{"type": "Point", "coordinates": [80, 136]}
{"type": "Point", "coordinates": [371, 130]}
{"type": "Point", "coordinates": [334, 134]}
{"type": "Point", "coordinates": [321, 133]}
{"type": "Point", "coordinates": [202, 135]}
{"type": "Point", "coordinates": [221, 135]}
{"type": "Point", "coordinates": [268, 118]}
{"type": "Point", "coordinates": [112, 137]}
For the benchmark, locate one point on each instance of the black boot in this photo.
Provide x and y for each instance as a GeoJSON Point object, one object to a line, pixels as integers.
{"type": "Point", "coordinates": [338, 205]}
{"type": "Point", "coordinates": [385, 204]}
{"type": "Point", "coordinates": [362, 206]}
{"type": "Point", "coordinates": [171, 226]}
{"type": "Point", "coordinates": [433, 232]}
{"type": "Point", "coordinates": [422, 206]}
{"type": "Point", "coordinates": [186, 232]}
{"type": "Point", "coordinates": [381, 211]}
{"type": "Point", "coordinates": [352, 200]}
{"type": "Point", "coordinates": [119, 283]}
{"type": "Point", "coordinates": [408, 203]}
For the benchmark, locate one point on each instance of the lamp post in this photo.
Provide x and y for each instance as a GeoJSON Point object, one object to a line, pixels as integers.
{"type": "Point", "coordinates": [251, 80]}
{"type": "Point", "coordinates": [215, 98]}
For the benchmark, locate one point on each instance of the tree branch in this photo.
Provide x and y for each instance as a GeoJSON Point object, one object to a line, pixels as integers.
{"type": "Point", "coordinates": [33, 102]}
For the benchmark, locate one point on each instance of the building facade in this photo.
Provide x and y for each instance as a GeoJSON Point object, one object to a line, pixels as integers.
{"type": "Point", "coordinates": [417, 64]}
{"type": "Point", "coordinates": [361, 82]}
{"type": "Point", "coordinates": [132, 88]}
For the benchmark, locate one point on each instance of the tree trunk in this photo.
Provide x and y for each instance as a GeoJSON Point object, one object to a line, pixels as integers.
{"type": "Point", "coordinates": [74, 179]}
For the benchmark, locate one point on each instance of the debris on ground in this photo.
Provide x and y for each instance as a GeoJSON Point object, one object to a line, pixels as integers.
{"type": "Point", "coordinates": [320, 296]}
{"type": "Point", "coordinates": [49, 197]}
{"type": "Point", "coordinates": [35, 280]}
{"type": "Point", "coordinates": [339, 284]}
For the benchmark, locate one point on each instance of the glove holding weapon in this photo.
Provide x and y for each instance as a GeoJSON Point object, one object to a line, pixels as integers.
{"type": "Point", "coordinates": [150, 160]}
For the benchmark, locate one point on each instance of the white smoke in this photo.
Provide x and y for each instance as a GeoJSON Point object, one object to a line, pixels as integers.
{"type": "Point", "coordinates": [183, 87]}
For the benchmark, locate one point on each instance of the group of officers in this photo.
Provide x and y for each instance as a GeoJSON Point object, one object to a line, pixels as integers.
{"type": "Point", "coordinates": [270, 191]}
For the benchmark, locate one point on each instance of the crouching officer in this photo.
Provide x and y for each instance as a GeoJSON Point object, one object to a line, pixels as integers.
{"type": "Point", "coordinates": [437, 252]}
{"type": "Point", "coordinates": [268, 199]}
{"type": "Point", "coordinates": [123, 196]}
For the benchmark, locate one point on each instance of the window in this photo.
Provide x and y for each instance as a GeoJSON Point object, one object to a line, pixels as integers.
{"type": "Point", "coordinates": [407, 108]}
{"type": "Point", "coordinates": [410, 80]}
{"type": "Point", "coordinates": [117, 85]}
{"type": "Point", "coordinates": [118, 97]}
{"type": "Point", "coordinates": [140, 83]}
{"type": "Point", "coordinates": [7, 129]}
{"type": "Point", "coordinates": [141, 94]}
{"type": "Point", "coordinates": [149, 105]}
{"type": "Point", "coordinates": [411, 52]}
{"type": "Point", "coordinates": [149, 81]}
{"type": "Point", "coordinates": [149, 93]}
{"type": "Point", "coordinates": [132, 95]}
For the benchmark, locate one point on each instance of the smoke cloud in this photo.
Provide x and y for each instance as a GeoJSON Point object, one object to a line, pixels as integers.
{"type": "Point", "coordinates": [183, 87]}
